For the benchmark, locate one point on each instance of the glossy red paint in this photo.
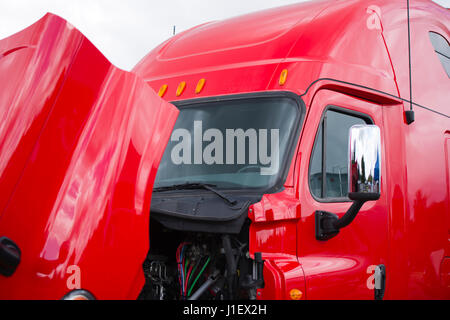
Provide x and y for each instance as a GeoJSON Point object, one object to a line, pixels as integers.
{"type": "Point", "coordinates": [274, 233]}
{"type": "Point", "coordinates": [91, 212]}
{"type": "Point", "coordinates": [80, 143]}
{"type": "Point", "coordinates": [351, 54]}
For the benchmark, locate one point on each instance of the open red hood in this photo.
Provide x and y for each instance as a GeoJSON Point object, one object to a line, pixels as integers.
{"type": "Point", "coordinates": [80, 144]}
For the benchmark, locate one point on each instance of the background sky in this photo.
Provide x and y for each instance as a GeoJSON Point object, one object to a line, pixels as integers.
{"type": "Point", "coordinates": [125, 31]}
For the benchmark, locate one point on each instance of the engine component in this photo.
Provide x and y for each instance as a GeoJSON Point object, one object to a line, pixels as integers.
{"type": "Point", "coordinates": [208, 283]}
{"type": "Point", "coordinates": [200, 266]}
{"type": "Point", "coordinates": [157, 279]}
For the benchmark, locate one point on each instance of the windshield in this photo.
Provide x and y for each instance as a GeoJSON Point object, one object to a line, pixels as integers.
{"type": "Point", "coordinates": [230, 144]}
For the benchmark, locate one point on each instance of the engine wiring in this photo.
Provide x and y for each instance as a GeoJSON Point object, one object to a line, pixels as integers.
{"type": "Point", "coordinates": [180, 265]}
{"type": "Point", "coordinates": [187, 268]}
{"type": "Point", "coordinates": [198, 276]}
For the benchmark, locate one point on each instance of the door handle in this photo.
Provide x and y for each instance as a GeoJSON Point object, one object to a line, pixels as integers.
{"type": "Point", "coordinates": [9, 256]}
{"type": "Point", "coordinates": [380, 281]}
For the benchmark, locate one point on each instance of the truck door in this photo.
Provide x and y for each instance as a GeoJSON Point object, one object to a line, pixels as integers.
{"type": "Point", "coordinates": [342, 267]}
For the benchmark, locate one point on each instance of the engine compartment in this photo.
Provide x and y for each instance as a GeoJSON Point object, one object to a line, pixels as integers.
{"type": "Point", "coordinates": [192, 265]}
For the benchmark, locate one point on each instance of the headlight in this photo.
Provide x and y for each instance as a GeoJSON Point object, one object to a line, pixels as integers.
{"type": "Point", "coordinates": [79, 294]}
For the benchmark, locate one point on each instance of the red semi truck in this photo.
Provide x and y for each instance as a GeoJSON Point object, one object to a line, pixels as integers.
{"type": "Point", "coordinates": [282, 157]}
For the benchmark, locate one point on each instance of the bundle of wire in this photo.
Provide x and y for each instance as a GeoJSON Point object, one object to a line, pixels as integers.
{"type": "Point", "coordinates": [186, 270]}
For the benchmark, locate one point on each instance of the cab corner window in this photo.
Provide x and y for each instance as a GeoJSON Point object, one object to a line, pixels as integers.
{"type": "Point", "coordinates": [442, 49]}
{"type": "Point", "coordinates": [328, 172]}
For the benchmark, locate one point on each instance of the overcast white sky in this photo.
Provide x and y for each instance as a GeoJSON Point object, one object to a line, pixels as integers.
{"type": "Point", "coordinates": [125, 31]}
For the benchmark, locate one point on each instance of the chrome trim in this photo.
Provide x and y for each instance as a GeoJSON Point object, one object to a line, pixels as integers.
{"type": "Point", "coordinates": [364, 159]}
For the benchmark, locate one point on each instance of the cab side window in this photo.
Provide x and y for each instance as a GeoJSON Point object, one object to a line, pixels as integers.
{"type": "Point", "coordinates": [328, 172]}
{"type": "Point", "coordinates": [442, 49]}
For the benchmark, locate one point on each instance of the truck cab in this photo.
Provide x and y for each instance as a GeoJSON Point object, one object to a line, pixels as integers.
{"type": "Point", "coordinates": [339, 64]}
{"type": "Point", "coordinates": [293, 153]}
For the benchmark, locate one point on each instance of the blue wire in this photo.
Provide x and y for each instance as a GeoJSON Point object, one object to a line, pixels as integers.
{"type": "Point", "coordinates": [182, 269]}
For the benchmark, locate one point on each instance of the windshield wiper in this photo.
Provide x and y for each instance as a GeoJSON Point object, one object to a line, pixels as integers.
{"type": "Point", "coordinates": [197, 185]}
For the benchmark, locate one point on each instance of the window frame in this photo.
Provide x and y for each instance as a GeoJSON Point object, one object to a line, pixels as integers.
{"type": "Point", "coordinates": [291, 152]}
{"type": "Point", "coordinates": [357, 114]}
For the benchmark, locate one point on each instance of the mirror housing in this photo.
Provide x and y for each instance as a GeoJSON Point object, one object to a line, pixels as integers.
{"type": "Point", "coordinates": [364, 179]}
{"type": "Point", "coordinates": [364, 167]}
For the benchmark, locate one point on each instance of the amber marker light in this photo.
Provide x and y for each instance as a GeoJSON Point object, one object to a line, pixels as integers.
{"type": "Point", "coordinates": [162, 91]}
{"type": "Point", "coordinates": [295, 294]}
{"type": "Point", "coordinates": [181, 88]}
{"type": "Point", "coordinates": [200, 85]}
{"type": "Point", "coordinates": [283, 77]}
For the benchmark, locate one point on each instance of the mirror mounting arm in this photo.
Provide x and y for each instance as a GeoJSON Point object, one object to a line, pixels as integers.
{"type": "Point", "coordinates": [328, 224]}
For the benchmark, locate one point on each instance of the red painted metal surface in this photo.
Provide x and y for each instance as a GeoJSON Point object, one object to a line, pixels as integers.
{"type": "Point", "coordinates": [80, 143]}
{"type": "Point", "coordinates": [91, 197]}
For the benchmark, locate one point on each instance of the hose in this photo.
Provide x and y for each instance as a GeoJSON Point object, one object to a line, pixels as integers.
{"type": "Point", "coordinates": [231, 264]}
{"type": "Point", "coordinates": [208, 283]}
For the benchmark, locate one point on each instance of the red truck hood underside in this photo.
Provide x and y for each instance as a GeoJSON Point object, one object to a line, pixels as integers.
{"type": "Point", "coordinates": [80, 144]}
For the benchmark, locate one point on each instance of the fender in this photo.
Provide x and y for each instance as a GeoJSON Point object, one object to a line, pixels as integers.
{"type": "Point", "coordinates": [274, 233]}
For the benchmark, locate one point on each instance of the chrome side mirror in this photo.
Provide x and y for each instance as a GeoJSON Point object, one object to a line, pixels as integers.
{"type": "Point", "coordinates": [364, 168]}
{"type": "Point", "coordinates": [364, 179]}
